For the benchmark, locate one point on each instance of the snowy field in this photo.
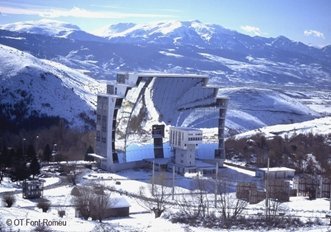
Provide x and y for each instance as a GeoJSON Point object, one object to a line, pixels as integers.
{"type": "Point", "coordinates": [140, 219]}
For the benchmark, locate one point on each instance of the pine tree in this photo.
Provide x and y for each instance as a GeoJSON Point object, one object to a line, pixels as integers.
{"type": "Point", "coordinates": [30, 153]}
{"type": "Point", "coordinates": [47, 153]}
{"type": "Point", "coordinates": [20, 171]}
{"type": "Point", "coordinates": [34, 167]}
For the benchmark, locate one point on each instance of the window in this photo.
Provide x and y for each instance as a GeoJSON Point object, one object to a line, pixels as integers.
{"type": "Point", "coordinates": [98, 135]}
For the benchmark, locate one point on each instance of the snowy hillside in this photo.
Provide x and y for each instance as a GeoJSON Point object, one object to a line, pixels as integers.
{"type": "Point", "coordinates": [320, 126]}
{"type": "Point", "coordinates": [42, 87]}
{"type": "Point", "coordinates": [251, 108]}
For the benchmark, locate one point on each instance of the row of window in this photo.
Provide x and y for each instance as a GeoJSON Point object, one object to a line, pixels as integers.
{"type": "Point", "coordinates": [194, 139]}
{"type": "Point", "coordinates": [99, 138]}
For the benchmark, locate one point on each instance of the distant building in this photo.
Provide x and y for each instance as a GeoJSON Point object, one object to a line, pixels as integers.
{"type": "Point", "coordinates": [32, 189]}
{"type": "Point", "coordinates": [118, 207]}
{"type": "Point", "coordinates": [276, 172]}
{"type": "Point", "coordinates": [307, 184]}
{"type": "Point", "coordinates": [279, 189]}
{"type": "Point", "coordinates": [278, 181]}
{"type": "Point", "coordinates": [249, 192]}
{"type": "Point", "coordinates": [118, 110]}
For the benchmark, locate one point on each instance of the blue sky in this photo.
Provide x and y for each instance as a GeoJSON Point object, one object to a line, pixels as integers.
{"type": "Point", "coordinates": [308, 21]}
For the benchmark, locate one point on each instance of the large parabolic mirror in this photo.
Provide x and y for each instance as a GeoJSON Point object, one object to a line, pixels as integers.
{"type": "Point", "coordinates": [176, 100]}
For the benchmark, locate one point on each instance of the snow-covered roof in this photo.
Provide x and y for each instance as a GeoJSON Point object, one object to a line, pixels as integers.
{"type": "Point", "coordinates": [278, 169]}
{"type": "Point", "coordinates": [118, 202]}
{"type": "Point", "coordinates": [96, 156]}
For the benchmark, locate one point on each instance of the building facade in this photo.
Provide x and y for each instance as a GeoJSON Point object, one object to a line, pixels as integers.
{"type": "Point", "coordinates": [120, 110]}
{"type": "Point", "coordinates": [221, 104]}
{"type": "Point", "coordinates": [183, 143]}
{"type": "Point", "coordinates": [158, 135]}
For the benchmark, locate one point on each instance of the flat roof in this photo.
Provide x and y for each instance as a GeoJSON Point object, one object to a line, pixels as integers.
{"type": "Point", "coordinates": [189, 75]}
{"type": "Point", "coordinates": [96, 156]}
{"type": "Point", "coordinates": [109, 95]}
{"type": "Point", "coordinates": [277, 169]}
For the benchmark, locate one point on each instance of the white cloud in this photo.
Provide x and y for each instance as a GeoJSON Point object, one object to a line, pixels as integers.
{"type": "Point", "coordinates": [252, 30]}
{"type": "Point", "coordinates": [78, 13]}
{"type": "Point", "coordinates": [314, 33]}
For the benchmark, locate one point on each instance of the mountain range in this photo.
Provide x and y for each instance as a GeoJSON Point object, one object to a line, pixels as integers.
{"type": "Point", "coordinates": [266, 78]}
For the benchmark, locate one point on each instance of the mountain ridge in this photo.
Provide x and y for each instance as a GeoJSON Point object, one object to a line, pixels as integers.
{"type": "Point", "coordinates": [238, 61]}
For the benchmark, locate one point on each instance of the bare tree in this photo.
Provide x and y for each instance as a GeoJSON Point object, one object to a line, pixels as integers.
{"type": "Point", "coordinates": [92, 201]}
{"type": "Point", "coordinates": [72, 171]}
{"type": "Point", "coordinates": [200, 196]}
{"type": "Point", "coordinates": [228, 205]}
{"type": "Point", "coordinates": [274, 210]}
{"type": "Point", "coordinates": [196, 203]}
{"type": "Point", "coordinates": [159, 194]}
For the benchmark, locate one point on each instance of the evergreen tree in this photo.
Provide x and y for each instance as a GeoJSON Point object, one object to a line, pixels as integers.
{"type": "Point", "coordinates": [3, 155]}
{"type": "Point", "coordinates": [20, 171]}
{"type": "Point", "coordinates": [10, 158]}
{"type": "Point", "coordinates": [47, 153]}
{"type": "Point", "coordinates": [30, 153]}
{"type": "Point", "coordinates": [34, 167]}
{"type": "Point", "coordinates": [89, 150]}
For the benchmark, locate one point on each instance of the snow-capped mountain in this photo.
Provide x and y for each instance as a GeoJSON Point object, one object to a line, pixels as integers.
{"type": "Point", "coordinates": [51, 28]}
{"type": "Point", "coordinates": [244, 67]}
{"type": "Point", "coordinates": [174, 32]}
{"type": "Point", "coordinates": [197, 34]}
{"type": "Point", "coordinates": [31, 86]}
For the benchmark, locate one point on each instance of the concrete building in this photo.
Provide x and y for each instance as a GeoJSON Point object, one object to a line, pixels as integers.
{"type": "Point", "coordinates": [120, 110]}
{"type": "Point", "coordinates": [183, 143]}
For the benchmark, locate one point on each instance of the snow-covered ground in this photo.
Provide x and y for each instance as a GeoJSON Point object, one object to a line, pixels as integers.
{"type": "Point", "coordinates": [139, 220]}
